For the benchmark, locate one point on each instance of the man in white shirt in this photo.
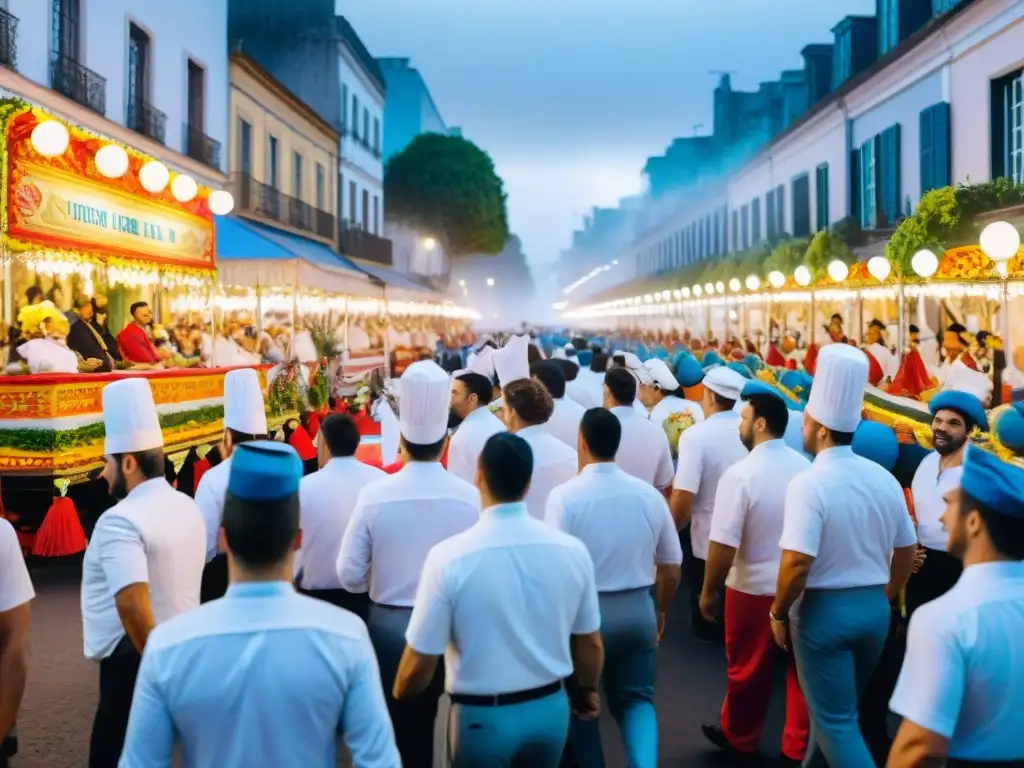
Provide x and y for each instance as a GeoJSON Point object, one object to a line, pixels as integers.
{"type": "Point", "coordinates": [511, 603]}
{"type": "Point", "coordinates": [15, 595]}
{"type": "Point", "coordinates": [144, 562]}
{"type": "Point", "coordinates": [644, 451]}
{"type": "Point", "coordinates": [394, 525]}
{"type": "Point", "coordinates": [743, 559]}
{"type": "Point", "coordinates": [664, 395]}
{"type": "Point", "coordinates": [632, 363]}
{"type": "Point", "coordinates": [245, 419]}
{"type": "Point", "coordinates": [575, 386]}
{"type": "Point", "coordinates": [471, 394]}
{"type": "Point", "coordinates": [527, 409]}
{"type": "Point", "coordinates": [706, 451]}
{"type": "Point", "coordinates": [565, 419]}
{"type": "Point", "coordinates": [326, 500]}
{"type": "Point", "coordinates": [626, 526]}
{"type": "Point", "coordinates": [590, 393]}
{"type": "Point", "coordinates": [848, 547]}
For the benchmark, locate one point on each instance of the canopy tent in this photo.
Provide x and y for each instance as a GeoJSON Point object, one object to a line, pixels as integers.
{"type": "Point", "coordinates": [399, 286]}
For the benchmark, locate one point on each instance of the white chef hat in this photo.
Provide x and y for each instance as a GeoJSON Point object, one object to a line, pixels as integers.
{"type": "Point", "coordinates": [482, 362]}
{"type": "Point", "coordinates": [425, 395]}
{"type": "Point", "coordinates": [512, 361]}
{"type": "Point", "coordinates": [837, 394]}
{"type": "Point", "coordinates": [130, 417]}
{"type": "Point", "coordinates": [724, 381]}
{"type": "Point", "coordinates": [660, 374]}
{"type": "Point", "coordinates": [244, 410]}
{"type": "Point", "coordinates": [962, 378]}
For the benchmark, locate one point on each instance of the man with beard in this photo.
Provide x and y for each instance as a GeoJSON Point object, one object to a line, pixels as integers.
{"type": "Point", "coordinates": [144, 563]}
{"type": "Point", "coordinates": [961, 689]}
{"type": "Point", "coordinates": [471, 394]}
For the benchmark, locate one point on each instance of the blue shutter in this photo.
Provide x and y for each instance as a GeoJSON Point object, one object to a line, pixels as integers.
{"type": "Point", "coordinates": [893, 206]}
{"type": "Point", "coordinates": [941, 146]}
{"type": "Point", "coordinates": [927, 158]}
{"type": "Point", "coordinates": [866, 220]}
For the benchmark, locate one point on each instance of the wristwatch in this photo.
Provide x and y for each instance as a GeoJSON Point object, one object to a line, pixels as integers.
{"type": "Point", "coordinates": [776, 619]}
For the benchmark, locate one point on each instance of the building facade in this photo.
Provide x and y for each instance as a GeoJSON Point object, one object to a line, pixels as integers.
{"type": "Point", "coordinates": [409, 109]}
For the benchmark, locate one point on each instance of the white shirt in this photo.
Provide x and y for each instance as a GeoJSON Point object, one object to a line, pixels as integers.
{"type": "Point", "coordinates": [579, 391]}
{"type": "Point", "coordinates": [153, 536]}
{"type": "Point", "coordinates": [15, 584]}
{"type": "Point", "coordinates": [749, 508]}
{"type": "Point", "coordinates": [501, 600]}
{"type": "Point", "coordinates": [624, 523]}
{"type": "Point", "coordinates": [565, 421]}
{"type": "Point", "coordinates": [672, 404]}
{"type": "Point", "coordinates": [927, 489]}
{"type": "Point", "coordinates": [210, 495]}
{"type": "Point", "coordinates": [644, 451]}
{"type": "Point", "coordinates": [553, 464]}
{"type": "Point", "coordinates": [706, 451]}
{"type": "Point", "coordinates": [848, 513]}
{"type": "Point", "coordinates": [395, 523]}
{"type": "Point", "coordinates": [469, 440]}
{"type": "Point", "coordinates": [963, 674]}
{"type": "Point", "coordinates": [326, 501]}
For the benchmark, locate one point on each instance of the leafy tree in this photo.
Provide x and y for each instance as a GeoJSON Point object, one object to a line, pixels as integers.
{"type": "Point", "coordinates": [446, 186]}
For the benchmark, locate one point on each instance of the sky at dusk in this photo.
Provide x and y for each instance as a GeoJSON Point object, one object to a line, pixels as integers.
{"type": "Point", "coordinates": [570, 97]}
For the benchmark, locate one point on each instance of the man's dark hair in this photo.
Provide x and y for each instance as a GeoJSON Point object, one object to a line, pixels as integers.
{"type": "Point", "coordinates": [151, 462]}
{"type": "Point", "coordinates": [136, 307]}
{"type": "Point", "coordinates": [237, 438]}
{"type": "Point", "coordinates": [599, 364]}
{"type": "Point", "coordinates": [723, 402]}
{"type": "Point", "coordinates": [479, 385]}
{"type": "Point", "coordinates": [260, 533]}
{"type": "Point", "coordinates": [421, 452]}
{"type": "Point", "coordinates": [841, 438]}
{"type": "Point", "coordinates": [1006, 533]}
{"type": "Point", "coordinates": [550, 374]}
{"type": "Point", "coordinates": [602, 432]}
{"type": "Point", "coordinates": [622, 385]}
{"type": "Point", "coordinates": [569, 368]}
{"type": "Point", "coordinates": [341, 435]}
{"type": "Point", "coordinates": [570, 352]}
{"type": "Point", "coordinates": [507, 465]}
{"type": "Point", "coordinates": [530, 400]}
{"type": "Point", "coordinates": [619, 360]}
{"type": "Point", "coordinates": [773, 411]}
{"type": "Point", "coordinates": [32, 293]}
{"type": "Point", "coordinates": [579, 343]}
{"type": "Point", "coordinates": [533, 354]}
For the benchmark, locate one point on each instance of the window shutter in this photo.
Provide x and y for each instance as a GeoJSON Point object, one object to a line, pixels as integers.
{"type": "Point", "coordinates": [927, 159]}
{"type": "Point", "coordinates": [889, 171]}
{"type": "Point", "coordinates": [769, 213]}
{"type": "Point", "coordinates": [865, 203]}
{"type": "Point", "coordinates": [854, 186]}
{"type": "Point", "coordinates": [942, 161]}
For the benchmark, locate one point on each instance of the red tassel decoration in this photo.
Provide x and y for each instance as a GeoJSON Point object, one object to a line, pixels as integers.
{"type": "Point", "coordinates": [199, 468]}
{"type": "Point", "coordinates": [313, 425]}
{"type": "Point", "coordinates": [302, 444]}
{"type": "Point", "coordinates": [61, 533]}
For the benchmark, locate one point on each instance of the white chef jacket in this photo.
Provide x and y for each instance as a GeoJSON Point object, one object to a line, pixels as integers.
{"type": "Point", "coordinates": [15, 584]}
{"type": "Point", "coordinates": [848, 513]}
{"type": "Point", "coordinates": [469, 440]}
{"type": "Point", "coordinates": [672, 404]}
{"type": "Point", "coordinates": [210, 495]}
{"type": "Point", "coordinates": [579, 391]}
{"type": "Point", "coordinates": [153, 536]}
{"type": "Point", "coordinates": [553, 464]}
{"type": "Point", "coordinates": [501, 600]}
{"type": "Point", "coordinates": [565, 421]}
{"type": "Point", "coordinates": [624, 523]}
{"type": "Point", "coordinates": [749, 508]}
{"type": "Point", "coordinates": [706, 451]}
{"type": "Point", "coordinates": [395, 523]}
{"type": "Point", "coordinates": [326, 500]}
{"type": "Point", "coordinates": [927, 489]}
{"type": "Point", "coordinates": [963, 673]}
{"type": "Point", "coordinates": [644, 451]}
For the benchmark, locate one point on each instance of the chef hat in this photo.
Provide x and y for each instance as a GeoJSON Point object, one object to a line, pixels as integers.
{"type": "Point", "coordinates": [660, 374]}
{"type": "Point", "coordinates": [130, 417]}
{"type": "Point", "coordinates": [725, 382]}
{"type": "Point", "coordinates": [964, 403]}
{"type": "Point", "coordinates": [244, 410]}
{"type": "Point", "coordinates": [689, 371]}
{"type": "Point", "coordinates": [264, 470]}
{"type": "Point", "coordinates": [512, 361]}
{"type": "Point", "coordinates": [963, 378]}
{"type": "Point", "coordinates": [837, 395]}
{"type": "Point", "coordinates": [425, 394]}
{"type": "Point", "coordinates": [993, 471]}
{"type": "Point", "coordinates": [741, 369]}
{"type": "Point", "coordinates": [712, 358]}
{"type": "Point", "coordinates": [482, 362]}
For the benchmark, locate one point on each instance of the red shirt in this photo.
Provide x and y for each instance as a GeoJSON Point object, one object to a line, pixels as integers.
{"type": "Point", "coordinates": [136, 346]}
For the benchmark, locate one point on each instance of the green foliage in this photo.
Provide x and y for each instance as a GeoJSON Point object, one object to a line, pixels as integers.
{"type": "Point", "coordinates": [446, 186]}
{"type": "Point", "coordinates": [787, 256]}
{"type": "Point", "coordinates": [825, 247]}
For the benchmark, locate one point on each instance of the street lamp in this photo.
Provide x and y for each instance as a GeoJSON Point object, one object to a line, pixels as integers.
{"type": "Point", "coordinates": [429, 243]}
{"type": "Point", "coordinates": [490, 281]}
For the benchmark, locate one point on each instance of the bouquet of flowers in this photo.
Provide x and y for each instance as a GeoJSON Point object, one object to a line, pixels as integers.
{"type": "Point", "coordinates": [675, 425]}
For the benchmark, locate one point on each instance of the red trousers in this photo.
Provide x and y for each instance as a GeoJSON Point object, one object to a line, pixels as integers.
{"type": "Point", "coordinates": [751, 655]}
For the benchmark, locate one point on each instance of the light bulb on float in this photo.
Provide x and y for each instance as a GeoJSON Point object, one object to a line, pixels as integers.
{"type": "Point", "coordinates": [720, 287]}
{"type": "Point", "coordinates": [734, 285]}
{"type": "Point", "coordinates": [879, 268]}
{"type": "Point", "coordinates": [753, 282]}
{"type": "Point", "coordinates": [924, 263]}
{"type": "Point", "coordinates": [777, 279]}
{"type": "Point", "coordinates": [838, 271]}
{"type": "Point", "coordinates": [709, 289]}
{"type": "Point", "coordinates": [685, 291]}
{"type": "Point", "coordinates": [222, 203]}
{"type": "Point", "coordinates": [697, 291]}
{"type": "Point", "coordinates": [1000, 241]}
{"type": "Point", "coordinates": [50, 138]}
{"type": "Point", "coordinates": [802, 275]}
{"type": "Point", "coordinates": [154, 176]}
{"type": "Point", "coordinates": [184, 188]}
{"type": "Point", "coordinates": [111, 161]}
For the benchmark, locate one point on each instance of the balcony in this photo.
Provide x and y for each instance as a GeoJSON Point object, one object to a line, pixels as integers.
{"type": "Point", "coordinates": [265, 202]}
{"type": "Point", "coordinates": [79, 83]}
{"type": "Point", "coordinates": [8, 40]}
{"type": "Point", "coordinates": [358, 243]}
{"type": "Point", "coordinates": [201, 147]}
{"type": "Point", "coordinates": [148, 120]}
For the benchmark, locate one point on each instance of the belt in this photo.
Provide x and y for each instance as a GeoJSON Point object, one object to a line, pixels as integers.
{"type": "Point", "coordinates": [505, 699]}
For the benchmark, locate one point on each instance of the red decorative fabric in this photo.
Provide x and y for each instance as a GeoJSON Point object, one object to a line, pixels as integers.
{"type": "Point", "coordinates": [912, 378]}
{"type": "Point", "coordinates": [61, 533]}
{"type": "Point", "coordinates": [302, 444]}
{"type": "Point", "coordinates": [811, 359]}
{"type": "Point", "coordinates": [775, 357]}
{"type": "Point", "coordinates": [199, 469]}
{"type": "Point", "coordinates": [875, 372]}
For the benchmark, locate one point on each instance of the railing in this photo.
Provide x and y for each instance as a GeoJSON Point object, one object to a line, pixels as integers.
{"type": "Point", "coordinates": [79, 83]}
{"type": "Point", "coordinates": [357, 242]}
{"type": "Point", "coordinates": [264, 201]}
{"type": "Point", "coordinates": [201, 147]}
{"type": "Point", "coordinates": [8, 40]}
{"type": "Point", "coordinates": [148, 120]}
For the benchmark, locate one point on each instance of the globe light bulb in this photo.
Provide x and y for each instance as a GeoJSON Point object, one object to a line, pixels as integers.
{"type": "Point", "coordinates": [753, 282]}
{"type": "Point", "coordinates": [1000, 241]}
{"type": "Point", "coordinates": [184, 188]}
{"type": "Point", "coordinates": [111, 161]}
{"type": "Point", "coordinates": [222, 203]}
{"type": "Point", "coordinates": [838, 271]}
{"type": "Point", "coordinates": [802, 275]}
{"type": "Point", "coordinates": [50, 138]}
{"type": "Point", "coordinates": [720, 287]}
{"type": "Point", "coordinates": [154, 176]}
{"type": "Point", "coordinates": [777, 279]}
{"type": "Point", "coordinates": [697, 291]}
{"type": "Point", "coordinates": [735, 285]}
{"type": "Point", "coordinates": [924, 263]}
{"type": "Point", "coordinates": [879, 268]}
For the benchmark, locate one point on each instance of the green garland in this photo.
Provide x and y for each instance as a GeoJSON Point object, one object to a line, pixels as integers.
{"type": "Point", "coordinates": [319, 388]}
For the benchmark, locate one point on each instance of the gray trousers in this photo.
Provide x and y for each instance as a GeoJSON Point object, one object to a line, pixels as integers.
{"type": "Point", "coordinates": [838, 636]}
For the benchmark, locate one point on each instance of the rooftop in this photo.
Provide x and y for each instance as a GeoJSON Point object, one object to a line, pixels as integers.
{"type": "Point", "coordinates": [347, 35]}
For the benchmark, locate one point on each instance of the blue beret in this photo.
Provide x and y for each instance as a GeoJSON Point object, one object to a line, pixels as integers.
{"type": "Point", "coordinates": [964, 403]}
{"type": "Point", "coordinates": [757, 387]}
{"type": "Point", "coordinates": [878, 443]}
{"type": "Point", "coordinates": [689, 372]}
{"type": "Point", "coordinates": [585, 357]}
{"type": "Point", "coordinates": [712, 358]}
{"type": "Point", "coordinates": [797, 382]}
{"type": "Point", "coordinates": [753, 362]}
{"type": "Point", "coordinates": [741, 369]}
{"type": "Point", "coordinates": [996, 482]}
{"type": "Point", "coordinates": [264, 470]}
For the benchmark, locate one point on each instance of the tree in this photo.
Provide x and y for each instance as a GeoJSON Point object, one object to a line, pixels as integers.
{"type": "Point", "coordinates": [446, 187]}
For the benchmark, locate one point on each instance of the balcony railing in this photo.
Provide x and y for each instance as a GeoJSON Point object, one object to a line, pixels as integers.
{"type": "Point", "coordinates": [201, 147]}
{"type": "Point", "coordinates": [79, 83]}
{"type": "Point", "coordinates": [358, 243]}
{"type": "Point", "coordinates": [148, 120]}
{"type": "Point", "coordinates": [8, 40]}
{"type": "Point", "coordinates": [264, 201]}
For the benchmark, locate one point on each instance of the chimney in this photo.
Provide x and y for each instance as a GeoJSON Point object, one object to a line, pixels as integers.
{"type": "Point", "coordinates": [856, 47]}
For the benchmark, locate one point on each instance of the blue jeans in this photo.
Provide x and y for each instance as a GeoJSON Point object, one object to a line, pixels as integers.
{"type": "Point", "coordinates": [527, 735]}
{"type": "Point", "coordinates": [629, 629]}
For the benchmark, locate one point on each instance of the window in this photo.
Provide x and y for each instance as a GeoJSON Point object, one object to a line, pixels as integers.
{"type": "Point", "coordinates": [802, 206]}
{"type": "Point", "coordinates": [271, 175]}
{"type": "Point", "coordinates": [366, 210]}
{"type": "Point", "coordinates": [355, 117]}
{"type": "Point", "coordinates": [888, 25]}
{"type": "Point", "coordinates": [1007, 123]}
{"type": "Point", "coordinates": [842, 63]}
{"type": "Point", "coordinates": [935, 147]}
{"type": "Point", "coordinates": [376, 215]}
{"type": "Point", "coordinates": [196, 96]}
{"type": "Point", "coordinates": [366, 127]}
{"type": "Point", "coordinates": [138, 76]}
{"type": "Point", "coordinates": [344, 107]}
{"type": "Point", "coordinates": [745, 226]}
{"type": "Point", "coordinates": [352, 203]}
{"type": "Point", "coordinates": [734, 244]}
{"type": "Point", "coordinates": [889, 187]}
{"type": "Point", "coordinates": [869, 185]}
{"type": "Point", "coordinates": [769, 214]}
{"type": "Point", "coordinates": [821, 197]}
{"type": "Point", "coordinates": [376, 134]}
{"type": "Point", "coordinates": [297, 176]}
{"type": "Point", "coordinates": [66, 42]}
{"type": "Point", "coordinates": [780, 211]}
{"type": "Point", "coordinates": [755, 221]}
{"type": "Point", "coordinates": [320, 195]}
{"type": "Point", "coordinates": [244, 147]}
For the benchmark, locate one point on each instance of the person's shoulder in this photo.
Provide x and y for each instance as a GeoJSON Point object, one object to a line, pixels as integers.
{"type": "Point", "coordinates": [941, 617]}
{"type": "Point", "coordinates": [214, 476]}
{"type": "Point", "coordinates": [458, 489]}
{"type": "Point", "coordinates": [794, 459]}
{"type": "Point", "coordinates": [7, 533]}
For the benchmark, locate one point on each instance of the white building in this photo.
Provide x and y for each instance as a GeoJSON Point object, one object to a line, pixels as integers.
{"type": "Point", "coordinates": [148, 73]}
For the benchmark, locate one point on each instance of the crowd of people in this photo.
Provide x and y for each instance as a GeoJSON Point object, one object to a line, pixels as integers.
{"type": "Point", "coordinates": [525, 558]}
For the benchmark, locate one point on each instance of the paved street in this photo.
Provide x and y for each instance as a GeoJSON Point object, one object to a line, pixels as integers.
{"type": "Point", "coordinates": [57, 712]}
